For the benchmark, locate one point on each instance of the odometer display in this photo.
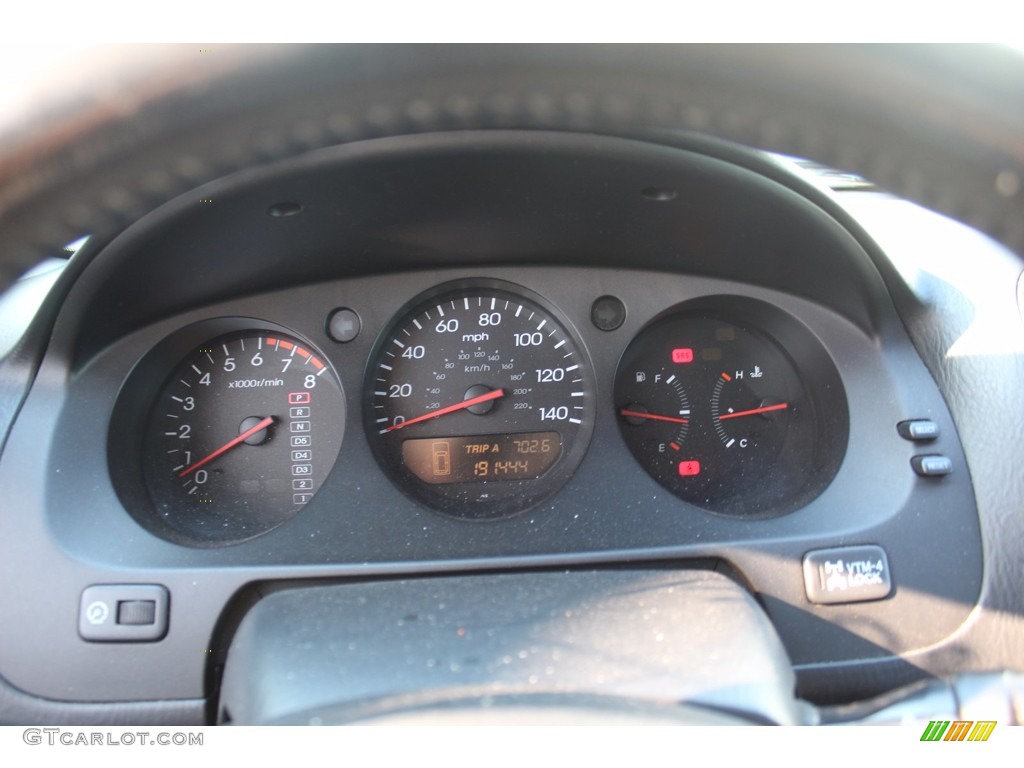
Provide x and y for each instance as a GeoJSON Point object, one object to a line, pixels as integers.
{"type": "Point", "coordinates": [524, 456]}
{"type": "Point", "coordinates": [479, 400]}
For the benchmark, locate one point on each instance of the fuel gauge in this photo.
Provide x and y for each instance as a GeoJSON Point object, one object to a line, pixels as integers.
{"type": "Point", "coordinates": [656, 415]}
{"type": "Point", "coordinates": [724, 416]}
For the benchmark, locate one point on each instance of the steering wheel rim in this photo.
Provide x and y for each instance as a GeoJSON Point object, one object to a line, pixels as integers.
{"type": "Point", "coordinates": [947, 130]}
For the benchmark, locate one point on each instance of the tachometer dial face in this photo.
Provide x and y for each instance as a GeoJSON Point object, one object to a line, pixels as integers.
{"type": "Point", "coordinates": [725, 418]}
{"type": "Point", "coordinates": [479, 400]}
{"type": "Point", "coordinates": [241, 436]}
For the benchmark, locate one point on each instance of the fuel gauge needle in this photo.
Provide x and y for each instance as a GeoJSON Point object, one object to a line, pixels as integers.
{"type": "Point", "coordinates": [654, 416]}
{"type": "Point", "coordinates": [228, 446]}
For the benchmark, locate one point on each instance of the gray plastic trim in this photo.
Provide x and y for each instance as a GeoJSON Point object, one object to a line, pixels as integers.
{"type": "Point", "coordinates": [17, 708]}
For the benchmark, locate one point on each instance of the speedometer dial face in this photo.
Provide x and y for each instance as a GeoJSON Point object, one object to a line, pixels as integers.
{"type": "Point", "coordinates": [241, 436]}
{"type": "Point", "coordinates": [479, 400]}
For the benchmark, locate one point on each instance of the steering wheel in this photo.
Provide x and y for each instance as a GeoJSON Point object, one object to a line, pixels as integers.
{"type": "Point", "coordinates": [946, 130]}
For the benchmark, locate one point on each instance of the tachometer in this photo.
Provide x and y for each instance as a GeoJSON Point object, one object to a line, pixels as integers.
{"type": "Point", "coordinates": [479, 400]}
{"type": "Point", "coordinates": [241, 436]}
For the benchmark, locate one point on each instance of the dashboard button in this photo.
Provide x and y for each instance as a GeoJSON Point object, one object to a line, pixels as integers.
{"type": "Point", "coordinates": [932, 465]}
{"type": "Point", "coordinates": [127, 613]}
{"type": "Point", "coordinates": [343, 325]}
{"type": "Point", "coordinates": [136, 612]}
{"type": "Point", "coordinates": [608, 313]}
{"type": "Point", "coordinates": [918, 429]}
{"type": "Point", "coordinates": [847, 575]}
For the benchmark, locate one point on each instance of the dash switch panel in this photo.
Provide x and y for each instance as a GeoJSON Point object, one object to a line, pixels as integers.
{"type": "Point", "coordinates": [125, 613]}
{"type": "Point", "coordinates": [847, 575]}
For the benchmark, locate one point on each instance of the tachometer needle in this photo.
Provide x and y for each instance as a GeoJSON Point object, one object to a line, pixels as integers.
{"type": "Point", "coordinates": [494, 394]}
{"type": "Point", "coordinates": [766, 409]}
{"type": "Point", "coordinates": [228, 446]}
{"type": "Point", "coordinates": [654, 416]}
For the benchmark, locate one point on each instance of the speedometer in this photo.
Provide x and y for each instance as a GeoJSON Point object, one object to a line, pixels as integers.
{"type": "Point", "coordinates": [479, 400]}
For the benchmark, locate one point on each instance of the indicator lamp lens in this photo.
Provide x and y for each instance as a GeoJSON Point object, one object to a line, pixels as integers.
{"type": "Point", "coordinates": [682, 355]}
{"type": "Point", "coordinates": [689, 468]}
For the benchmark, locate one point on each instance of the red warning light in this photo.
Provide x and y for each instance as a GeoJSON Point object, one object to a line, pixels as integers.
{"type": "Point", "coordinates": [689, 468]}
{"type": "Point", "coordinates": [682, 355]}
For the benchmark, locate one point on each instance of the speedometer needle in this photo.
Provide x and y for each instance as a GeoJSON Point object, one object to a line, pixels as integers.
{"type": "Point", "coordinates": [494, 394]}
{"type": "Point", "coordinates": [654, 416]}
{"type": "Point", "coordinates": [228, 446]}
{"type": "Point", "coordinates": [766, 409]}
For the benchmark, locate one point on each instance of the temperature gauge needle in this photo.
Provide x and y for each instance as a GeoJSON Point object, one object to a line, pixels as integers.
{"type": "Point", "coordinates": [494, 394]}
{"type": "Point", "coordinates": [228, 446]}
{"type": "Point", "coordinates": [766, 409]}
{"type": "Point", "coordinates": [654, 416]}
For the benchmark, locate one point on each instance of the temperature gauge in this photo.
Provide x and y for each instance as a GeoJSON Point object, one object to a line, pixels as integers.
{"type": "Point", "coordinates": [748, 415]}
{"type": "Point", "coordinates": [725, 417]}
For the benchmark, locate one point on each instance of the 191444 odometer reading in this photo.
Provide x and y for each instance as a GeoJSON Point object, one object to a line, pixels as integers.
{"type": "Point", "coordinates": [479, 401]}
{"type": "Point", "coordinates": [481, 457]}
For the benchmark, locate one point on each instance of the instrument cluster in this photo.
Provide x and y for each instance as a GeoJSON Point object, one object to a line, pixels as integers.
{"type": "Point", "coordinates": [479, 402]}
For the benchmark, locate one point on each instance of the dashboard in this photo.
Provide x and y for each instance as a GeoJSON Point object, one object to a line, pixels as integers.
{"type": "Point", "coordinates": [483, 353]}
